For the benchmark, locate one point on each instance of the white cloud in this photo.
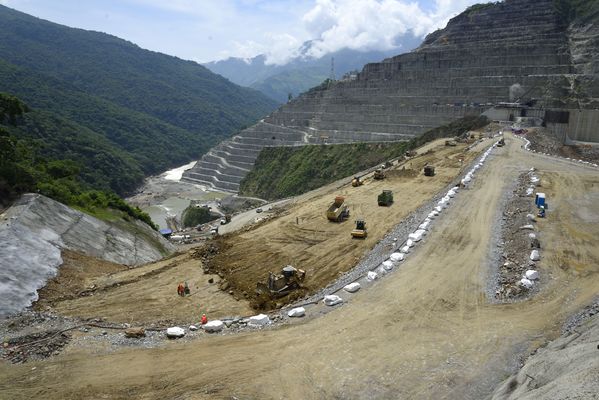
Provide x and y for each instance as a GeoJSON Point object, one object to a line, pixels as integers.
{"type": "Point", "coordinates": [373, 24]}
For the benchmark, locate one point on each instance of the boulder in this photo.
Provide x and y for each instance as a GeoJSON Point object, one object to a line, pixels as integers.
{"type": "Point", "coordinates": [259, 320]}
{"type": "Point", "coordinates": [532, 236]}
{"type": "Point", "coordinates": [352, 287]}
{"type": "Point", "coordinates": [175, 332]}
{"type": "Point", "coordinates": [535, 255]}
{"type": "Point", "coordinates": [372, 275]}
{"type": "Point", "coordinates": [214, 326]}
{"type": "Point", "coordinates": [332, 300]}
{"type": "Point", "coordinates": [297, 312]}
{"type": "Point", "coordinates": [135, 332]}
{"type": "Point", "coordinates": [531, 274]}
{"type": "Point", "coordinates": [531, 217]}
{"type": "Point", "coordinates": [193, 328]}
{"type": "Point", "coordinates": [405, 249]}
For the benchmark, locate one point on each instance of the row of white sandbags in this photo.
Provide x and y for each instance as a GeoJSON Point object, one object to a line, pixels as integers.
{"type": "Point", "coordinates": [413, 238]}
{"type": "Point", "coordinates": [470, 175]}
{"type": "Point", "coordinates": [527, 147]}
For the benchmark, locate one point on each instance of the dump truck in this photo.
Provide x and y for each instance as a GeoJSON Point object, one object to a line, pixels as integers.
{"type": "Point", "coordinates": [356, 181]}
{"type": "Point", "coordinates": [360, 232]}
{"type": "Point", "coordinates": [379, 174]}
{"type": "Point", "coordinates": [278, 285]}
{"type": "Point", "coordinates": [338, 211]}
{"type": "Point", "coordinates": [385, 198]}
{"type": "Point", "coordinates": [429, 170]}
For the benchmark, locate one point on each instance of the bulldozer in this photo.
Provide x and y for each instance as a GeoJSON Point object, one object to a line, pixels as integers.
{"type": "Point", "coordinates": [379, 174]}
{"type": "Point", "coordinates": [385, 198]}
{"type": "Point", "coordinates": [279, 285]}
{"type": "Point", "coordinates": [356, 181]}
{"type": "Point", "coordinates": [360, 232]}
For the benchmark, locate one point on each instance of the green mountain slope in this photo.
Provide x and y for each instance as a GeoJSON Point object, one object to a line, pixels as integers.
{"type": "Point", "coordinates": [159, 110]}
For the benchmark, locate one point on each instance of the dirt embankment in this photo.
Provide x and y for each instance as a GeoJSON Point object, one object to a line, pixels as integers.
{"type": "Point", "coordinates": [303, 237]}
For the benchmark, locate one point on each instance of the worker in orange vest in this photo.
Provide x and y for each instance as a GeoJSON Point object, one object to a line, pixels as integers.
{"type": "Point", "coordinates": [180, 290]}
{"type": "Point", "coordinates": [204, 319]}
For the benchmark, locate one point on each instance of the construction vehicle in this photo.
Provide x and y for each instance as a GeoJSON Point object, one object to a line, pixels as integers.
{"type": "Point", "coordinates": [278, 285]}
{"type": "Point", "coordinates": [356, 181]}
{"type": "Point", "coordinates": [387, 164]}
{"type": "Point", "coordinates": [450, 143]}
{"type": "Point", "coordinates": [338, 211]}
{"type": "Point", "coordinates": [226, 219]}
{"type": "Point", "coordinates": [379, 174]}
{"type": "Point", "coordinates": [501, 143]}
{"type": "Point", "coordinates": [411, 153]}
{"type": "Point", "coordinates": [360, 232]}
{"type": "Point", "coordinates": [429, 170]}
{"type": "Point", "coordinates": [385, 198]}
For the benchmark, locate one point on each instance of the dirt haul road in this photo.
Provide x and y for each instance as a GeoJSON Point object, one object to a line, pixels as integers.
{"type": "Point", "coordinates": [425, 331]}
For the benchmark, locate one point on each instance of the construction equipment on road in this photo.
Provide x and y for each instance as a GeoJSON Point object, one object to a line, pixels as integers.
{"type": "Point", "coordinates": [450, 143]}
{"type": "Point", "coordinates": [385, 198]}
{"type": "Point", "coordinates": [429, 170]}
{"type": "Point", "coordinates": [356, 181]}
{"type": "Point", "coordinates": [278, 285]}
{"type": "Point", "coordinates": [360, 232]}
{"type": "Point", "coordinates": [501, 143]}
{"type": "Point", "coordinates": [379, 174]}
{"type": "Point", "coordinates": [387, 164]}
{"type": "Point", "coordinates": [338, 211]}
{"type": "Point", "coordinates": [226, 219]}
{"type": "Point", "coordinates": [411, 153]}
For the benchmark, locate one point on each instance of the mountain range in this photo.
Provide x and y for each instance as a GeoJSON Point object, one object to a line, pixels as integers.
{"type": "Point", "coordinates": [121, 111]}
{"type": "Point", "coordinates": [303, 71]}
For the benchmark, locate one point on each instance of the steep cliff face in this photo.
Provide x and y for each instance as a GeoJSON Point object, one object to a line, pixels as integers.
{"type": "Point", "coordinates": [476, 61]}
{"type": "Point", "coordinates": [35, 230]}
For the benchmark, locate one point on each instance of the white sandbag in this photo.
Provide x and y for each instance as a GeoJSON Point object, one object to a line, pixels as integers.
{"type": "Point", "coordinates": [214, 326]}
{"type": "Point", "coordinates": [423, 225]}
{"type": "Point", "coordinates": [388, 265]}
{"type": "Point", "coordinates": [297, 312]}
{"type": "Point", "coordinates": [259, 320]}
{"type": "Point", "coordinates": [431, 215]}
{"type": "Point", "coordinates": [532, 236]}
{"type": "Point", "coordinates": [451, 193]}
{"type": "Point", "coordinates": [410, 243]}
{"type": "Point", "coordinates": [332, 300]}
{"type": "Point", "coordinates": [531, 274]}
{"type": "Point", "coordinates": [530, 191]}
{"type": "Point", "coordinates": [535, 256]}
{"type": "Point", "coordinates": [526, 283]}
{"type": "Point", "coordinates": [352, 287]}
{"type": "Point", "coordinates": [397, 257]}
{"type": "Point", "coordinates": [417, 236]}
{"type": "Point", "coordinates": [531, 217]}
{"type": "Point", "coordinates": [527, 227]}
{"type": "Point", "coordinates": [438, 209]}
{"type": "Point", "coordinates": [467, 179]}
{"type": "Point", "coordinates": [372, 275]}
{"type": "Point", "coordinates": [175, 332]}
{"type": "Point", "coordinates": [193, 328]}
{"type": "Point", "coordinates": [405, 249]}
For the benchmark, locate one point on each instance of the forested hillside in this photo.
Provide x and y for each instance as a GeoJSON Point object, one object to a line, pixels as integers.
{"type": "Point", "coordinates": [147, 111]}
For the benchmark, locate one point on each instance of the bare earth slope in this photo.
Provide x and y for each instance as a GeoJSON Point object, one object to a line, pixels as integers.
{"type": "Point", "coordinates": [425, 331]}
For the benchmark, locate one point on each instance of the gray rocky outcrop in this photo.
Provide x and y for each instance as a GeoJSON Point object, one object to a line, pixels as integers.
{"type": "Point", "coordinates": [461, 70]}
{"type": "Point", "coordinates": [566, 368]}
{"type": "Point", "coordinates": [35, 230]}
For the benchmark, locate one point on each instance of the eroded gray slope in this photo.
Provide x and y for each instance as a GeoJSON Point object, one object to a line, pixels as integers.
{"type": "Point", "coordinates": [35, 229]}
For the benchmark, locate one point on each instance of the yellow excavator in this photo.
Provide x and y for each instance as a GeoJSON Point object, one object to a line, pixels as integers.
{"type": "Point", "coordinates": [360, 232]}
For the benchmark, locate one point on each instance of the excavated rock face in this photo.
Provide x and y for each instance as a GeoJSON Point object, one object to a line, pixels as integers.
{"type": "Point", "coordinates": [458, 71]}
{"type": "Point", "coordinates": [35, 229]}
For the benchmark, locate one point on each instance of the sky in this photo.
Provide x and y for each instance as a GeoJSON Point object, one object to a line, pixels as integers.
{"type": "Point", "coordinates": [208, 30]}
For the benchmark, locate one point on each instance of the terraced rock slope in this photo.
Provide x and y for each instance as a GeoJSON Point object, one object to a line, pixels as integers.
{"type": "Point", "coordinates": [458, 71]}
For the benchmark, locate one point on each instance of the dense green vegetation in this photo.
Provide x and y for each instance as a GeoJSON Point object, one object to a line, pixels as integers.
{"type": "Point", "coordinates": [194, 216]}
{"type": "Point", "coordinates": [288, 171]}
{"type": "Point", "coordinates": [27, 166]}
{"type": "Point", "coordinates": [146, 111]}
